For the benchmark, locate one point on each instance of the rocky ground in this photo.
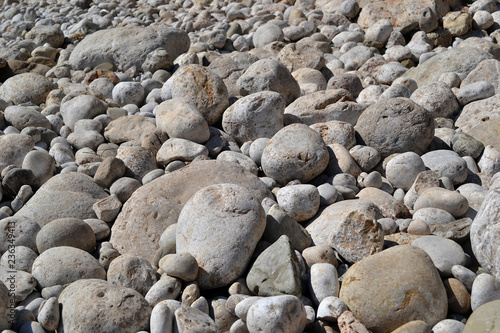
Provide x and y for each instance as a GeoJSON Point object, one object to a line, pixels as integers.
{"type": "Point", "coordinates": [216, 166]}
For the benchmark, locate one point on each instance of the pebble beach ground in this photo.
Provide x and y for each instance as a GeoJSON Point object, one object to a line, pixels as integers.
{"type": "Point", "coordinates": [253, 166]}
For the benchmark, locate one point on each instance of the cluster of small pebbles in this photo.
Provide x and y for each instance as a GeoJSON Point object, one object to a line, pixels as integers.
{"type": "Point", "coordinates": [253, 166]}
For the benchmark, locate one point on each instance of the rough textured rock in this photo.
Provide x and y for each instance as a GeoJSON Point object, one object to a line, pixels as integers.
{"type": "Point", "coordinates": [477, 113]}
{"type": "Point", "coordinates": [204, 88]}
{"type": "Point", "coordinates": [64, 195]}
{"type": "Point", "coordinates": [396, 295]}
{"type": "Point", "coordinates": [294, 152]}
{"type": "Point", "coordinates": [396, 125]}
{"type": "Point", "coordinates": [128, 46]}
{"type": "Point", "coordinates": [14, 147]}
{"type": "Point", "coordinates": [484, 231]}
{"type": "Point", "coordinates": [155, 206]}
{"type": "Point", "coordinates": [220, 226]}
{"type": "Point", "coordinates": [459, 60]}
{"type": "Point", "coordinates": [259, 115]}
{"type": "Point", "coordinates": [119, 309]}
{"type": "Point", "coordinates": [269, 74]}
{"type": "Point", "coordinates": [349, 227]}
{"type": "Point", "coordinates": [131, 272]}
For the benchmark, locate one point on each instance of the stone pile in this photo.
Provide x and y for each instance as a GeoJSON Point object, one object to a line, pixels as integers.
{"type": "Point", "coordinates": [251, 166]}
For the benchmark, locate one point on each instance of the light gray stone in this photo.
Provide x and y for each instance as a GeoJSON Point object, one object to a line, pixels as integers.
{"type": "Point", "coordinates": [485, 288]}
{"type": "Point", "coordinates": [267, 33]}
{"type": "Point", "coordinates": [119, 309]}
{"type": "Point", "coordinates": [49, 314]}
{"type": "Point", "coordinates": [219, 253]}
{"type": "Point", "coordinates": [188, 319]}
{"type": "Point", "coordinates": [484, 319]}
{"type": "Point", "coordinates": [14, 148]}
{"type": "Point", "coordinates": [331, 308]}
{"type": "Point", "coordinates": [81, 107]}
{"type": "Point", "coordinates": [138, 160]}
{"type": "Point", "coordinates": [131, 272]}
{"type": "Point", "coordinates": [437, 197]}
{"type": "Point", "coordinates": [446, 163]}
{"type": "Point", "coordinates": [300, 201]}
{"type": "Point", "coordinates": [402, 170]}
{"type": "Point", "coordinates": [179, 149]}
{"type": "Point", "coordinates": [66, 232]}
{"type": "Point", "coordinates": [21, 284]}
{"type": "Point", "coordinates": [323, 282]}
{"type": "Point", "coordinates": [271, 314]}
{"type": "Point", "coordinates": [437, 98]}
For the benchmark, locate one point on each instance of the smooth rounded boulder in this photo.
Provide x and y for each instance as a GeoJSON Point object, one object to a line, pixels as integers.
{"type": "Point", "coordinates": [119, 309]}
{"type": "Point", "coordinates": [396, 125]}
{"type": "Point", "coordinates": [220, 226]}
{"type": "Point", "coordinates": [156, 205]}
{"type": "Point", "coordinates": [295, 152]}
{"type": "Point", "coordinates": [399, 293]}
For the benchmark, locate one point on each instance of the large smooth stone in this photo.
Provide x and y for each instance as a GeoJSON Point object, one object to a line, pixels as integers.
{"type": "Point", "coordinates": [400, 292]}
{"type": "Point", "coordinates": [220, 226]}
{"type": "Point", "coordinates": [294, 152]}
{"type": "Point", "coordinates": [91, 305]}
{"type": "Point", "coordinates": [128, 46]}
{"type": "Point", "coordinates": [64, 195]}
{"type": "Point", "coordinates": [485, 229]}
{"type": "Point", "coordinates": [25, 88]}
{"type": "Point", "coordinates": [486, 318]}
{"type": "Point", "coordinates": [156, 205]}
{"type": "Point", "coordinates": [396, 125]}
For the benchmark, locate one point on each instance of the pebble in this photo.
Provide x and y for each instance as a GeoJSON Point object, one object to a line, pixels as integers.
{"type": "Point", "coordinates": [301, 201]}
{"type": "Point", "coordinates": [131, 272]}
{"type": "Point", "coordinates": [485, 288]}
{"type": "Point", "coordinates": [448, 325]}
{"type": "Point", "coordinates": [274, 313]}
{"type": "Point", "coordinates": [402, 170]}
{"type": "Point", "coordinates": [66, 232]}
{"type": "Point", "coordinates": [323, 282]}
{"type": "Point", "coordinates": [448, 164]}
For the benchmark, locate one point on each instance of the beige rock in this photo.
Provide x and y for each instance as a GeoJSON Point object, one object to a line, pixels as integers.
{"type": "Point", "coordinates": [389, 206]}
{"type": "Point", "coordinates": [399, 291]}
{"type": "Point", "coordinates": [437, 197]}
{"type": "Point", "coordinates": [457, 23]}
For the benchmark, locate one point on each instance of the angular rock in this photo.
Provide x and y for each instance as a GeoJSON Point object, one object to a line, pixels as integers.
{"type": "Point", "coordinates": [188, 319]}
{"type": "Point", "coordinates": [131, 272]}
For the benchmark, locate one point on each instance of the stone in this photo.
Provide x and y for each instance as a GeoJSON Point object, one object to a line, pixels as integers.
{"type": "Point", "coordinates": [485, 71]}
{"type": "Point", "coordinates": [379, 32]}
{"type": "Point", "coordinates": [110, 169]}
{"type": "Point", "coordinates": [277, 313]}
{"type": "Point", "coordinates": [85, 139]}
{"type": "Point", "coordinates": [350, 82]}
{"type": "Point", "coordinates": [436, 197]}
{"type": "Point", "coordinates": [443, 252]}
{"type": "Point", "coordinates": [402, 170]}
{"type": "Point", "coordinates": [180, 118]}
{"type": "Point", "coordinates": [21, 284]}
{"type": "Point", "coordinates": [366, 157]}
{"type": "Point", "coordinates": [14, 148]}
{"type": "Point", "coordinates": [477, 113]}
{"type": "Point", "coordinates": [433, 216]}
{"type": "Point", "coordinates": [131, 272]}
{"type": "Point", "coordinates": [99, 227]}
{"type": "Point", "coordinates": [437, 98]}
{"type": "Point", "coordinates": [162, 318]}
{"type": "Point", "coordinates": [124, 187]}
{"type": "Point", "coordinates": [483, 235]}
{"type": "Point", "coordinates": [108, 208]}
{"type": "Point", "coordinates": [294, 152]}
{"type": "Point", "coordinates": [137, 159]}
{"type": "Point", "coordinates": [448, 326]}
{"type": "Point", "coordinates": [458, 297]}
{"type": "Point", "coordinates": [26, 87]}
{"type": "Point", "coordinates": [484, 318]}
{"type": "Point", "coordinates": [188, 319]}
{"type": "Point", "coordinates": [300, 201]}
{"type": "Point", "coordinates": [259, 115]}
{"type": "Point", "coordinates": [24, 257]}
{"type": "Point", "coordinates": [400, 14]}
{"type": "Point", "coordinates": [294, 57]}
{"type": "Point", "coordinates": [466, 145]}
{"type": "Point", "coordinates": [397, 286]}
{"type": "Point", "coordinates": [135, 128]}
{"type": "Point", "coordinates": [460, 61]}
{"type": "Point", "coordinates": [350, 227]}
{"type": "Point", "coordinates": [203, 87]}
{"type": "Point", "coordinates": [157, 205]}
{"type": "Point", "coordinates": [22, 230]}
{"type": "Point", "coordinates": [323, 106]}
{"type": "Point", "coordinates": [447, 164]}
{"type": "Point", "coordinates": [118, 308]}
{"type": "Point", "coordinates": [331, 308]}
{"type": "Point", "coordinates": [41, 164]}
{"type": "Point", "coordinates": [401, 126]}
{"type": "Point", "coordinates": [179, 149]}
{"type": "Point", "coordinates": [238, 158]}
{"type": "Point", "coordinates": [166, 288]}
{"type": "Point", "coordinates": [64, 195]}
{"type": "Point", "coordinates": [180, 265]}
{"type": "Point", "coordinates": [126, 51]}
{"type": "Point", "coordinates": [388, 205]}
{"type": "Point", "coordinates": [21, 117]}
{"type": "Point", "coordinates": [275, 271]}
{"type": "Point", "coordinates": [267, 33]}
{"type": "Point", "coordinates": [489, 162]}
{"type": "Point", "coordinates": [49, 315]}
{"type": "Point", "coordinates": [269, 75]}
{"type": "Point", "coordinates": [457, 23]}
{"type": "Point", "coordinates": [475, 91]}
{"type": "Point", "coordinates": [335, 131]}
{"type": "Point", "coordinates": [310, 80]}
{"type": "Point", "coordinates": [348, 323]}
{"type": "Point", "coordinates": [65, 264]}
{"type": "Point", "coordinates": [81, 107]}
{"type": "Point", "coordinates": [233, 208]}
{"type": "Point", "coordinates": [128, 93]}
{"type": "Point", "coordinates": [323, 282]}
{"type": "Point", "coordinates": [278, 223]}
{"type": "Point", "coordinates": [428, 21]}
{"type": "Point", "coordinates": [66, 232]}
{"type": "Point", "coordinates": [485, 288]}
